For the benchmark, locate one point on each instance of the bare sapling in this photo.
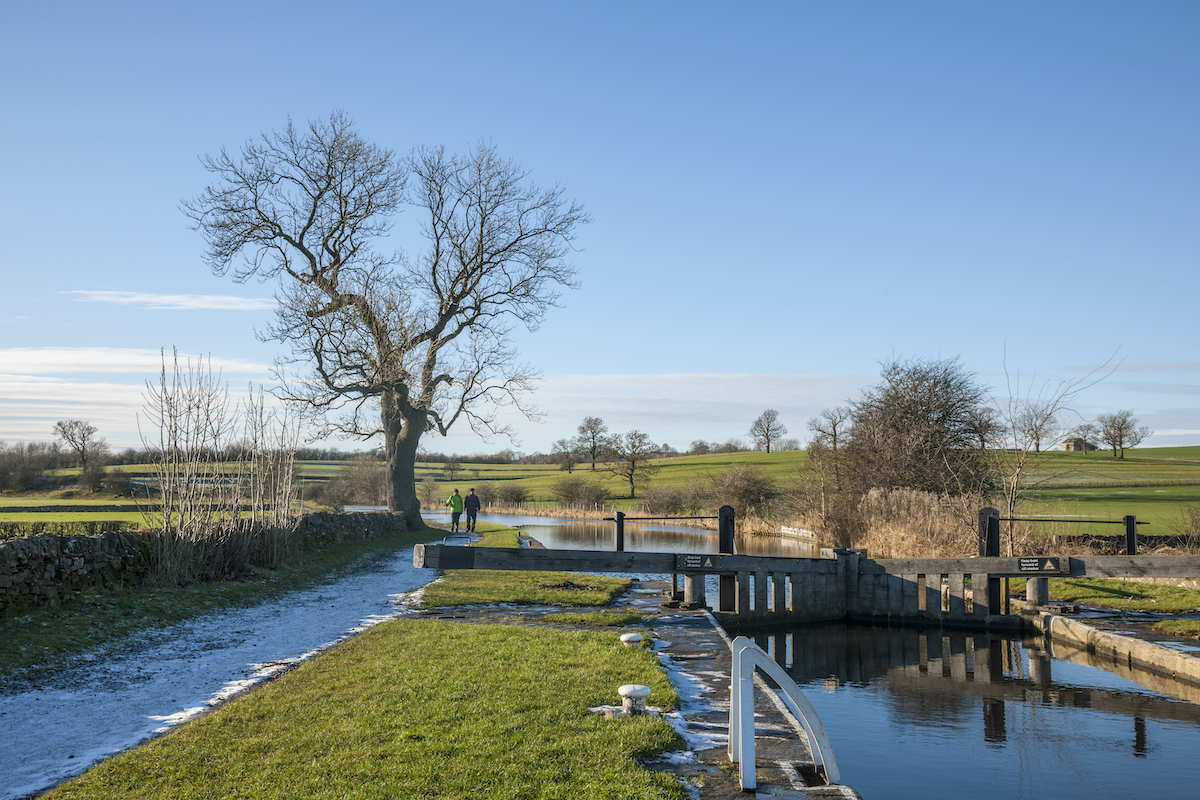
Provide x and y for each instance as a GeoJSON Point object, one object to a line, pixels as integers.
{"type": "Point", "coordinates": [225, 492]}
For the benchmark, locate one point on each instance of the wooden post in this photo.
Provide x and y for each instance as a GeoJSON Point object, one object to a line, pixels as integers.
{"type": "Point", "coordinates": [1131, 535]}
{"type": "Point", "coordinates": [989, 545]}
{"type": "Point", "coordinates": [728, 590]}
{"type": "Point", "coordinates": [619, 518]}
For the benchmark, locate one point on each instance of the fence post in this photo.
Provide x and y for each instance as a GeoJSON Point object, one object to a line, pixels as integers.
{"type": "Point", "coordinates": [1131, 535]}
{"type": "Point", "coordinates": [620, 520]}
{"type": "Point", "coordinates": [725, 545]}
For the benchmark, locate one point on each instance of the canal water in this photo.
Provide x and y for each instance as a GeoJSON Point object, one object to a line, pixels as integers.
{"type": "Point", "coordinates": [649, 536]}
{"type": "Point", "coordinates": [930, 713]}
{"type": "Point", "coordinates": [936, 714]}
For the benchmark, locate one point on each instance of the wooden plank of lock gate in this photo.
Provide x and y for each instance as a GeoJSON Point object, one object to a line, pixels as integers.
{"type": "Point", "coordinates": [958, 603]}
{"type": "Point", "coordinates": [979, 594]}
{"type": "Point", "coordinates": [910, 602]}
{"type": "Point", "coordinates": [760, 593]}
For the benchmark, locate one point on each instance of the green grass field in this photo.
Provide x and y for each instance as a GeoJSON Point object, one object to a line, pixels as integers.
{"type": "Point", "coordinates": [1150, 483]}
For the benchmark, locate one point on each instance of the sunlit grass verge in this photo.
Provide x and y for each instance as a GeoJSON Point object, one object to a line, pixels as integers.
{"type": "Point", "coordinates": [1180, 627]}
{"type": "Point", "coordinates": [496, 535]}
{"type": "Point", "coordinates": [1124, 595]}
{"type": "Point", "coordinates": [418, 709]}
{"type": "Point", "coordinates": [469, 587]}
{"type": "Point", "coordinates": [614, 619]}
{"type": "Point", "coordinates": [36, 640]}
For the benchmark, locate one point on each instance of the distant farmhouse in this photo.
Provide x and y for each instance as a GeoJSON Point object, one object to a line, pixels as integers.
{"type": "Point", "coordinates": [1078, 445]}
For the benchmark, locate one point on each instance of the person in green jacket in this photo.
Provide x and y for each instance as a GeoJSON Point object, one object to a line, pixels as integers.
{"type": "Point", "coordinates": [455, 502]}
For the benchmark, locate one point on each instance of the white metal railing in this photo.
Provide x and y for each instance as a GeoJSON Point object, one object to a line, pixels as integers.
{"type": "Point", "coordinates": [747, 657]}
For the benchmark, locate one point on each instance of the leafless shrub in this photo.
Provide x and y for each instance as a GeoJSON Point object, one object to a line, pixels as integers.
{"type": "Point", "coordinates": [690, 499]}
{"type": "Point", "coordinates": [216, 518]}
{"type": "Point", "coordinates": [362, 481]}
{"type": "Point", "coordinates": [428, 491]}
{"type": "Point", "coordinates": [23, 466]}
{"type": "Point", "coordinates": [511, 494]}
{"type": "Point", "coordinates": [745, 487]}
{"type": "Point", "coordinates": [579, 490]}
{"type": "Point", "coordinates": [487, 493]}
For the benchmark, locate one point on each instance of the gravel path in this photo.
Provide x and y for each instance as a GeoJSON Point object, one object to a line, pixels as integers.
{"type": "Point", "coordinates": [122, 694]}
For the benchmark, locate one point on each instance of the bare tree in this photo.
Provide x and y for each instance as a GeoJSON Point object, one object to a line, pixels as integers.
{"type": "Point", "coordinates": [1087, 433]}
{"type": "Point", "coordinates": [566, 454]}
{"type": "Point", "coordinates": [398, 344]}
{"type": "Point", "coordinates": [451, 466]}
{"type": "Point", "coordinates": [917, 429]}
{"type": "Point", "coordinates": [1030, 415]}
{"type": "Point", "coordinates": [827, 429]}
{"type": "Point", "coordinates": [593, 441]}
{"type": "Point", "coordinates": [766, 429]}
{"type": "Point", "coordinates": [81, 437]}
{"type": "Point", "coordinates": [1038, 421]}
{"type": "Point", "coordinates": [1121, 430]}
{"type": "Point", "coordinates": [632, 454]}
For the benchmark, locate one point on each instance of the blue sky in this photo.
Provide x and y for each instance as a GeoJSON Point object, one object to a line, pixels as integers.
{"type": "Point", "coordinates": [783, 194]}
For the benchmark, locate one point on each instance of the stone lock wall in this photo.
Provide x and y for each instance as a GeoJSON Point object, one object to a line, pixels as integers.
{"type": "Point", "coordinates": [40, 570]}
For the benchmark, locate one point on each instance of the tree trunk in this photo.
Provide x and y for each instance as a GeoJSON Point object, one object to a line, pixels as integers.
{"type": "Point", "coordinates": [401, 437]}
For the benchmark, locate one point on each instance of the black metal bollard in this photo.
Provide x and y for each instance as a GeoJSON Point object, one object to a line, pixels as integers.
{"type": "Point", "coordinates": [619, 518]}
{"type": "Point", "coordinates": [1131, 535]}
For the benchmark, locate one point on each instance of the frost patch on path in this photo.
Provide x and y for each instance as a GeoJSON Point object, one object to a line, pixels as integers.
{"type": "Point", "coordinates": [691, 692]}
{"type": "Point", "coordinates": [131, 691]}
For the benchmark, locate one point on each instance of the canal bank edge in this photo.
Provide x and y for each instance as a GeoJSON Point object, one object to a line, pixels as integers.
{"type": "Point", "coordinates": [1119, 648]}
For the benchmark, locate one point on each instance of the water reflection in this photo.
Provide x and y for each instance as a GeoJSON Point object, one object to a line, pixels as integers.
{"type": "Point", "coordinates": [932, 713]}
{"type": "Point", "coordinates": [558, 533]}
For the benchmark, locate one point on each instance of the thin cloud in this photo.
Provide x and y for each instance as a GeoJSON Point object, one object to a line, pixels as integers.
{"type": "Point", "coordinates": [1160, 388]}
{"type": "Point", "coordinates": [59, 360]}
{"type": "Point", "coordinates": [175, 302]}
{"type": "Point", "coordinates": [1150, 366]}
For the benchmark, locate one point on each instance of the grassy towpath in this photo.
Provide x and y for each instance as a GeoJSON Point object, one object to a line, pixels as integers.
{"type": "Point", "coordinates": [425, 709]}
{"type": "Point", "coordinates": [418, 710]}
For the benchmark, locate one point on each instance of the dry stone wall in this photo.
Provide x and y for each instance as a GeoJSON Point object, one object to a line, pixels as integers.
{"type": "Point", "coordinates": [326, 527]}
{"type": "Point", "coordinates": [43, 570]}
{"type": "Point", "coordinates": [40, 570]}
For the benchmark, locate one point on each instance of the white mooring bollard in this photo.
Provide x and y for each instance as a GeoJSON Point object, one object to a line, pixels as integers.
{"type": "Point", "coordinates": [631, 639]}
{"type": "Point", "coordinates": [633, 698]}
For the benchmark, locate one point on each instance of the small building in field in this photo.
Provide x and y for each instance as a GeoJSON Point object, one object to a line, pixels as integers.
{"type": "Point", "coordinates": [1077, 445]}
